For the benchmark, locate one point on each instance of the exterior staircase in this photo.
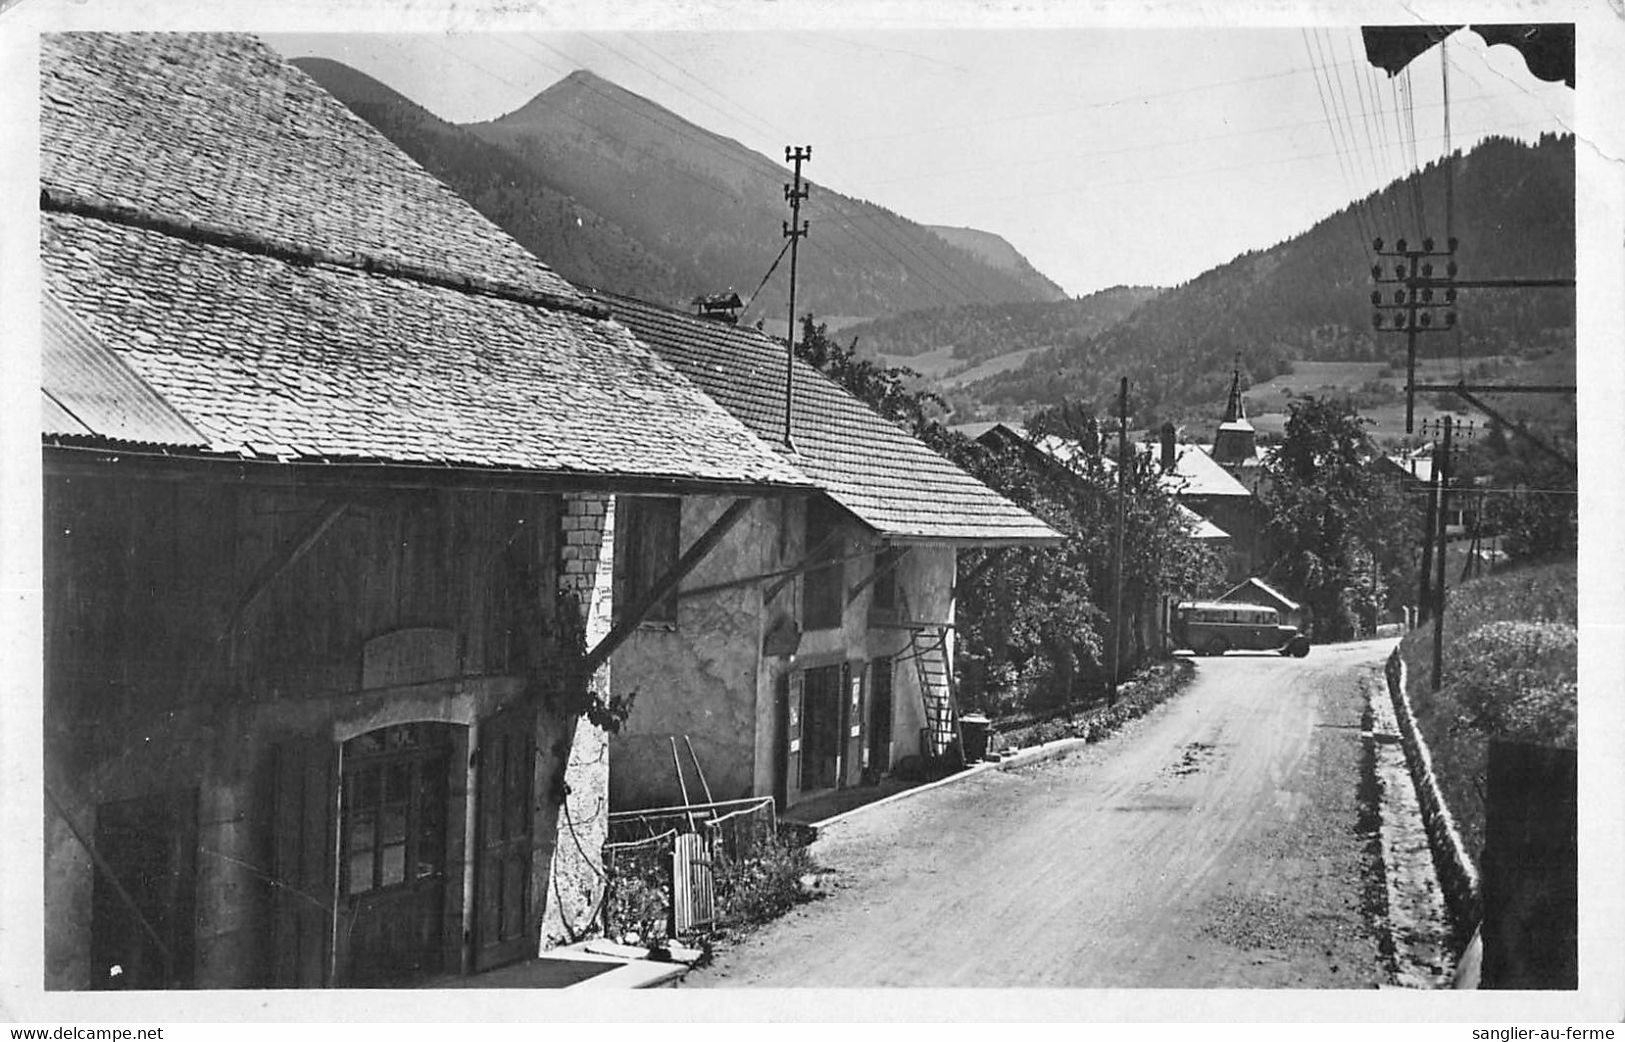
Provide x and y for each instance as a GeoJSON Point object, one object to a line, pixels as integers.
{"type": "Point", "coordinates": [928, 647]}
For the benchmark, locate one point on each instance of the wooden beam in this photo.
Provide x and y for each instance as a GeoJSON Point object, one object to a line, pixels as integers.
{"type": "Point", "coordinates": [274, 567]}
{"type": "Point", "coordinates": [64, 457]}
{"type": "Point", "coordinates": [1483, 406]}
{"type": "Point", "coordinates": [290, 555]}
{"type": "Point", "coordinates": [633, 616]}
{"type": "Point", "coordinates": [874, 576]}
{"type": "Point", "coordinates": [814, 559]}
{"type": "Point", "coordinates": [777, 573]}
{"type": "Point", "coordinates": [1461, 388]}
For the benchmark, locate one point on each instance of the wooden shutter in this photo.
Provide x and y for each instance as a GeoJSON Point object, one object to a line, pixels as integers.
{"type": "Point", "coordinates": [852, 716]}
{"type": "Point", "coordinates": [505, 929]}
{"type": "Point", "coordinates": [792, 748]}
{"type": "Point", "coordinates": [303, 871]}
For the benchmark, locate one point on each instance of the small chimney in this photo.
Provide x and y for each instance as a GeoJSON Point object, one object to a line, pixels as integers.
{"type": "Point", "coordinates": [719, 307]}
{"type": "Point", "coordinates": [1168, 458]}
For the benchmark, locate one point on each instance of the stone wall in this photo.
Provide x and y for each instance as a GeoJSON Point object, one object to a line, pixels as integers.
{"type": "Point", "coordinates": [577, 820]}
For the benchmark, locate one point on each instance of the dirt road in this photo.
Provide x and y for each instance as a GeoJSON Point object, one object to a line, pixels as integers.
{"type": "Point", "coordinates": [1217, 842]}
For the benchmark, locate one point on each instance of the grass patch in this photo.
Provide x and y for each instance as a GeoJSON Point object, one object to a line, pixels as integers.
{"type": "Point", "coordinates": [1095, 720]}
{"type": "Point", "coordinates": [1509, 671]}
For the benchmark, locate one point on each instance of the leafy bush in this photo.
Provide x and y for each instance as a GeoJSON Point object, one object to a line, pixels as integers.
{"type": "Point", "coordinates": [1509, 672]}
{"type": "Point", "coordinates": [1149, 688]}
{"type": "Point", "coordinates": [759, 889]}
{"type": "Point", "coordinates": [1516, 679]}
{"type": "Point", "coordinates": [636, 911]}
{"type": "Point", "coordinates": [749, 891]}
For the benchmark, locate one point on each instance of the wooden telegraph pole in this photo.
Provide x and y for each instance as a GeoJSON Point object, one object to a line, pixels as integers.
{"type": "Point", "coordinates": [794, 230]}
{"type": "Point", "coordinates": [1122, 491]}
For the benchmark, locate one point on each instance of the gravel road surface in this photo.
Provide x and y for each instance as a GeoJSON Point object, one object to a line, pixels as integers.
{"type": "Point", "coordinates": [1218, 842]}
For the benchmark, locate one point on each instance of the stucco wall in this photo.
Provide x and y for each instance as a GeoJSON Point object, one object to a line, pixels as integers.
{"type": "Point", "coordinates": [926, 577]}
{"type": "Point", "coordinates": [698, 679]}
{"type": "Point", "coordinates": [707, 678]}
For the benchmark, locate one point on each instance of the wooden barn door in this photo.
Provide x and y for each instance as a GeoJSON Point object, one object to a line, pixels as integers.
{"type": "Point", "coordinates": [505, 930]}
{"type": "Point", "coordinates": [302, 868]}
{"type": "Point", "coordinates": [394, 844]}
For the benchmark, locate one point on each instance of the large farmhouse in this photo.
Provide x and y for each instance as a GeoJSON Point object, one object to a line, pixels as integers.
{"type": "Point", "coordinates": [331, 468]}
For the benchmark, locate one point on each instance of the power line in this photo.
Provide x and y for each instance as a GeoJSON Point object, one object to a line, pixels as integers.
{"type": "Point", "coordinates": [761, 124]}
{"type": "Point", "coordinates": [1312, 47]}
{"type": "Point", "coordinates": [1088, 106]}
{"type": "Point", "coordinates": [770, 269]}
{"type": "Point", "coordinates": [708, 142]}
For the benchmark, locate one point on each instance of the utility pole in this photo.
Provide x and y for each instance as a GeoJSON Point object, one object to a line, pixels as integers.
{"type": "Point", "coordinates": [1424, 587]}
{"type": "Point", "coordinates": [794, 231]}
{"type": "Point", "coordinates": [1441, 467]}
{"type": "Point", "coordinates": [1407, 300]}
{"type": "Point", "coordinates": [1122, 490]}
{"type": "Point", "coordinates": [1412, 307]}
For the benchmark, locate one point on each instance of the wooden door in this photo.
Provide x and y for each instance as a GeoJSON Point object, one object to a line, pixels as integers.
{"type": "Point", "coordinates": [141, 920]}
{"type": "Point", "coordinates": [852, 723]}
{"type": "Point", "coordinates": [880, 716]}
{"type": "Point", "coordinates": [795, 688]}
{"type": "Point", "coordinates": [505, 930]}
{"type": "Point", "coordinates": [821, 721]}
{"type": "Point", "coordinates": [393, 843]}
{"type": "Point", "coordinates": [302, 867]}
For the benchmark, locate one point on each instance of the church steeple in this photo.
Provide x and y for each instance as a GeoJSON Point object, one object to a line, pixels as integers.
{"type": "Point", "coordinates": [1234, 411]}
{"type": "Point", "coordinates": [1235, 441]}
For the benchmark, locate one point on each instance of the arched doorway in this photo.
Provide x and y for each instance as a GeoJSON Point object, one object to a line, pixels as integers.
{"type": "Point", "coordinates": [397, 821]}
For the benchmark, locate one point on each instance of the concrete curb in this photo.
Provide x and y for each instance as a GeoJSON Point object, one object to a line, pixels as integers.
{"type": "Point", "coordinates": [1008, 761]}
{"type": "Point", "coordinates": [1458, 877]}
{"type": "Point", "coordinates": [636, 969]}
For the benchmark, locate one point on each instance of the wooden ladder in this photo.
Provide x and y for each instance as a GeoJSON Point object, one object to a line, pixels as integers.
{"type": "Point", "coordinates": [928, 647]}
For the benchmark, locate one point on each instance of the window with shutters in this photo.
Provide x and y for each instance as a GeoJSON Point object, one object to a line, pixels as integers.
{"type": "Point", "coordinates": [821, 590]}
{"type": "Point", "coordinates": [886, 561]}
{"type": "Point", "coordinates": [647, 530]}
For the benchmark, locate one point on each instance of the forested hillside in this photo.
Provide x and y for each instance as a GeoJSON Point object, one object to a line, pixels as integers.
{"type": "Point", "coordinates": [1309, 297]}
{"type": "Point", "coordinates": [977, 332]}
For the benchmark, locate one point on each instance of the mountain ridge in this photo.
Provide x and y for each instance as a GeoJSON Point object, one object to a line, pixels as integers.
{"type": "Point", "coordinates": [683, 209]}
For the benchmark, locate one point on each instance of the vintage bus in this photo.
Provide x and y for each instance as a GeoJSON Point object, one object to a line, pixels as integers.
{"type": "Point", "coordinates": [1215, 627]}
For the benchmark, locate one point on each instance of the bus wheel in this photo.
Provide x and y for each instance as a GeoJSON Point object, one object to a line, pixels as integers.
{"type": "Point", "coordinates": [1217, 646]}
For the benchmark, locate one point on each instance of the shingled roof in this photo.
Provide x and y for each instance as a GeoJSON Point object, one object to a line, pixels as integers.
{"type": "Point", "coordinates": [1196, 473]}
{"type": "Point", "coordinates": [292, 287]}
{"type": "Point", "coordinates": [883, 475]}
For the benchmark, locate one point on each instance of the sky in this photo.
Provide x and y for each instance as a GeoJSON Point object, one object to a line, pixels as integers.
{"type": "Point", "coordinates": [1106, 155]}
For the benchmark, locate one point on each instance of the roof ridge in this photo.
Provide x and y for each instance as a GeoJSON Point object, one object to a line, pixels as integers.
{"type": "Point", "coordinates": [66, 201]}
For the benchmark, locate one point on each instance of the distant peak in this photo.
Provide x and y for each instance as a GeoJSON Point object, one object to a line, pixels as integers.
{"type": "Point", "coordinates": [577, 84]}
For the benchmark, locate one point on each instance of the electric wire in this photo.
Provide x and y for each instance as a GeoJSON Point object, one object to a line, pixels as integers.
{"type": "Point", "coordinates": [1326, 108]}
{"type": "Point", "coordinates": [1340, 104]}
{"type": "Point", "coordinates": [708, 142]}
{"type": "Point", "coordinates": [1367, 167]}
{"type": "Point", "coordinates": [770, 270]}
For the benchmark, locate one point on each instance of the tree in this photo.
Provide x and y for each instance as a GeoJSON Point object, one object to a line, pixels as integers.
{"type": "Point", "coordinates": [886, 389]}
{"type": "Point", "coordinates": [1034, 624]}
{"type": "Point", "coordinates": [1343, 535]}
{"type": "Point", "coordinates": [1531, 500]}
